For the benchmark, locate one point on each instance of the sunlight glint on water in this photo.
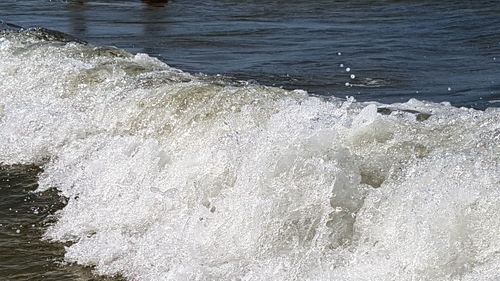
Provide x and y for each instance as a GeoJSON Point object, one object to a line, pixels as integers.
{"type": "Point", "coordinates": [170, 176]}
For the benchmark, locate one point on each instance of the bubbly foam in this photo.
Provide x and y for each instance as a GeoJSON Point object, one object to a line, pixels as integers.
{"type": "Point", "coordinates": [171, 176]}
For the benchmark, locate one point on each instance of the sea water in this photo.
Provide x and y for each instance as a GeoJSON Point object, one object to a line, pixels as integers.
{"type": "Point", "coordinates": [446, 50]}
{"type": "Point", "coordinates": [166, 175]}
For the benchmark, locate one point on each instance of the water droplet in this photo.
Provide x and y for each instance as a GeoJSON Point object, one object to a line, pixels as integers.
{"type": "Point", "coordinates": [18, 231]}
{"type": "Point", "coordinates": [449, 89]}
{"type": "Point", "coordinates": [339, 54]}
{"type": "Point", "coordinates": [353, 76]}
{"type": "Point", "coordinates": [348, 69]}
{"type": "Point", "coordinates": [347, 84]}
{"type": "Point", "coordinates": [341, 65]}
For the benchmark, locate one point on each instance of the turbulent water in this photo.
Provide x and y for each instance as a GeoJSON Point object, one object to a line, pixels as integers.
{"type": "Point", "coordinates": [172, 176]}
{"type": "Point", "coordinates": [437, 50]}
{"type": "Point", "coordinates": [24, 215]}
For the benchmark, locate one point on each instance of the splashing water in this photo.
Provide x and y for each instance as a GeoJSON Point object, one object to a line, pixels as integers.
{"type": "Point", "coordinates": [171, 176]}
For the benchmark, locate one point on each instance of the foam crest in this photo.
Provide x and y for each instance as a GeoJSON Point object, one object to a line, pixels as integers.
{"type": "Point", "coordinates": [171, 176]}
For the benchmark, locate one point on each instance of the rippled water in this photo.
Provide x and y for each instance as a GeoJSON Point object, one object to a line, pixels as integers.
{"type": "Point", "coordinates": [151, 173]}
{"type": "Point", "coordinates": [432, 50]}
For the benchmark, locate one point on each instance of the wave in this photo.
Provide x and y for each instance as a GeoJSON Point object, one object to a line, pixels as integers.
{"type": "Point", "coordinates": [172, 176]}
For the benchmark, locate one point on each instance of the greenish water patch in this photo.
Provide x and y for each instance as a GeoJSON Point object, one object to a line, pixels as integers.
{"type": "Point", "coordinates": [24, 216]}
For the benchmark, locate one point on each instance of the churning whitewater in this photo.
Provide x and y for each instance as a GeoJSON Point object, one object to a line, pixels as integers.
{"type": "Point", "coordinates": [172, 176]}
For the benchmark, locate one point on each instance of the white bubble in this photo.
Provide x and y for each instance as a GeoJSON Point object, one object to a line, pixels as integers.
{"type": "Point", "coordinates": [353, 76]}
{"type": "Point", "coordinates": [449, 89]}
{"type": "Point", "coordinates": [18, 231]}
{"type": "Point", "coordinates": [348, 69]}
{"type": "Point", "coordinates": [341, 65]}
{"type": "Point", "coordinates": [299, 163]}
{"type": "Point", "coordinates": [339, 53]}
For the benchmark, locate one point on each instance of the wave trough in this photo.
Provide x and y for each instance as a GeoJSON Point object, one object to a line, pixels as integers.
{"type": "Point", "coordinates": [172, 176]}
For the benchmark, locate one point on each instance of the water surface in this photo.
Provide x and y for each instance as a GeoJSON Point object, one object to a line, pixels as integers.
{"type": "Point", "coordinates": [162, 174]}
{"type": "Point", "coordinates": [432, 50]}
{"type": "Point", "coordinates": [24, 217]}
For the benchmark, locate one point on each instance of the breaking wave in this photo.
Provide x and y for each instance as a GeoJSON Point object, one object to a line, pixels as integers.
{"type": "Point", "coordinates": [171, 176]}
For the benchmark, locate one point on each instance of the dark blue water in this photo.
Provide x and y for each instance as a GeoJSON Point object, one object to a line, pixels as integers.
{"type": "Point", "coordinates": [431, 50]}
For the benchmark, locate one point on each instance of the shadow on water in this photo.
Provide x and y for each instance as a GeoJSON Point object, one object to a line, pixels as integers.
{"type": "Point", "coordinates": [153, 19]}
{"type": "Point", "coordinates": [77, 17]}
{"type": "Point", "coordinates": [156, 3]}
{"type": "Point", "coordinates": [24, 216]}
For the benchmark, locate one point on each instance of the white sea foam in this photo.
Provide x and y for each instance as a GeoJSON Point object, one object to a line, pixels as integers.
{"type": "Point", "coordinates": [176, 177]}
